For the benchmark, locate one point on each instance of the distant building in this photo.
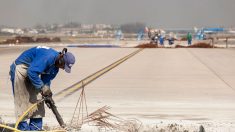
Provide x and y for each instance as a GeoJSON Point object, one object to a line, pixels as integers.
{"type": "Point", "coordinates": [70, 31]}
{"type": "Point", "coordinates": [33, 31]}
{"type": "Point", "coordinates": [102, 26]}
{"type": "Point", "coordinates": [12, 31]}
{"type": "Point", "coordinates": [101, 33]}
{"type": "Point", "coordinates": [8, 30]}
{"type": "Point", "coordinates": [87, 26]}
{"type": "Point", "coordinates": [19, 31]}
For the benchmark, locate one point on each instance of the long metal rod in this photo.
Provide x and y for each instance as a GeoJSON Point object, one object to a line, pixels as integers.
{"type": "Point", "coordinates": [77, 86]}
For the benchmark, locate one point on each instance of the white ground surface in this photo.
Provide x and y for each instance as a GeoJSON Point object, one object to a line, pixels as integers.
{"type": "Point", "coordinates": [191, 87]}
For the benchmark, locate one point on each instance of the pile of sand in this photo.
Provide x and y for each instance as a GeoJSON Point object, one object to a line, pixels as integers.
{"type": "Point", "coordinates": [26, 39]}
{"type": "Point", "coordinates": [147, 45]}
{"type": "Point", "coordinates": [196, 45]}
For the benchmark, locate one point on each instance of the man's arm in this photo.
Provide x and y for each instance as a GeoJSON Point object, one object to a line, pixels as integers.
{"type": "Point", "coordinates": [35, 69]}
{"type": "Point", "coordinates": [46, 78]}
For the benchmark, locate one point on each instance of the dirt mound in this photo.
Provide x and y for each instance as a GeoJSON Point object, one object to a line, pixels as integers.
{"type": "Point", "coordinates": [196, 45]}
{"type": "Point", "coordinates": [42, 40]}
{"type": "Point", "coordinates": [46, 40]}
{"type": "Point", "coordinates": [19, 39]}
{"type": "Point", "coordinates": [183, 39]}
{"type": "Point", "coordinates": [147, 45]}
{"type": "Point", "coordinates": [56, 39]}
{"type": "Point", "coordinates": [26, 39]}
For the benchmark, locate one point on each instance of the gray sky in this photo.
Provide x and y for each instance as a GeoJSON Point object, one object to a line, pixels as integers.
{"type": "Point", "coordinates": [157, 13]}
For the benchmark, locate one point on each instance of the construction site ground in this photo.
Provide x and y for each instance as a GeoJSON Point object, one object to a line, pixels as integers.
{"type": "Point", "coordinates": [189, 87]}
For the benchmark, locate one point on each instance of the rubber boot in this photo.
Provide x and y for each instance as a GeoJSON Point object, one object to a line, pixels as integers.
{"type": "Point", "coordinates": [23, 126]}
{"type": "Point", "coordinates": [35, 124]}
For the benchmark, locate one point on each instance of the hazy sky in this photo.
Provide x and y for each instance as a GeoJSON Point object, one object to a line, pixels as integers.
{"type": "Point", "coordinates": [157, 13]}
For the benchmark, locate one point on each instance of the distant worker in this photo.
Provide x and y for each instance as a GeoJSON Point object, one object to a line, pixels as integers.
{"type": "Point", "coordinates": [140, 35]}
{"type": "Point", "coordinates": [119, 35]}
{"type": "Point", "coordinates": [171, 38]}
{"type": "Point", "coordinates": [155, 40]}
{"type": "Point", "coordinates": [151, 36]}
{"type": "Point", "coordinates": [189, 38]}
{"type": "Point", "coordinates": [171, 41]}
{"type": "Point", "coordinates": [31, 75]}
{"type": "Point", "coordinates": [161, 40]}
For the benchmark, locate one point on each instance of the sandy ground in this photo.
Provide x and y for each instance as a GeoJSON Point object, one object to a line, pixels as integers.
{"type": "Point", "coordinates": [159, 87]}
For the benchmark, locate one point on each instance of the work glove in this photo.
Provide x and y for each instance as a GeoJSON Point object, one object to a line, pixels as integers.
{"type": "Point", "coordinates": [46, 91]}
{"type": "Point", "coordinates": [49, 102]}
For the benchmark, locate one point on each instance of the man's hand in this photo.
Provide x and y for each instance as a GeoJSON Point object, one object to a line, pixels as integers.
{"type": "Point", "coordinates": [46, 91]}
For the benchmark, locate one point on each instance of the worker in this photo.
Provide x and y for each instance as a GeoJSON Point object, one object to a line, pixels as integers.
{"type": "Point", "coordinates": [31, 75]}
{"type": "Point", "coordinates": [161, 40]}
{"type": "Point", "coordinates": [189, 38]}
{"type": "Point", "coordinates": [171, 38]}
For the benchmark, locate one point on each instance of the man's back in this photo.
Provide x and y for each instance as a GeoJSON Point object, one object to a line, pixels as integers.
{"type": "Point", "coordinates": [40, 60]}
{"type": "Point", "coordinates": [36, 53]}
